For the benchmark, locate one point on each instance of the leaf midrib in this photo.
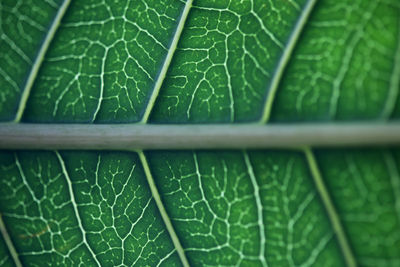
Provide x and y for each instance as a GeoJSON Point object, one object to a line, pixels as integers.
{"type": "Point", "coordinates": [205, 136]}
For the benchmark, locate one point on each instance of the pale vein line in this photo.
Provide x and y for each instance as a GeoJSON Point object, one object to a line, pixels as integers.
{"type": "Point", "coordinates": [39, 59]}
{"type": "Point", "coordinates": [103, 63]}
{"type": "Point", "coordinates": [165, 258]}
{"type": "Point", "coordinates": [394, 179]}
{"type": "Point", "coordinates": [259, 208]}
{"type": "Point", "coordinates": [292, 41]}
{"type": "Point", "coordinates": [198, 175]}
{"type": "Point", "coordinates": [344, 68]}
{"type": "Point", "coordinates": [75, 206]}
{"type": "Point", "coordinates": [9, 243]}
{"type": "Point", "coordinates": [167, 61]}
{"type": "Point", "coordinates": [161, 208]}
{"type": "Point", "coordinates": [394, 86]}
{"type": "Point", "coordinates": [330, 209]}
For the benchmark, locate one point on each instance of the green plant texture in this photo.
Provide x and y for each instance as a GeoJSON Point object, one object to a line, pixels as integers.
{"type": "Point", "coordinates": [201, 61]}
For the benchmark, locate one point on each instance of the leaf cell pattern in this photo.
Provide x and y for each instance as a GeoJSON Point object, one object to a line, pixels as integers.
{"type": "Point", "coordinates": [250, 208]}
{"type": "Point", "coordinates": [225, 60]}
{"type": "Point", "coordinates": [103, 62]}
{"type": "Point", "coordinates": [23, 25]}
{"type": "Point", "coordinates": [105, 59]}
{"type": "Point", "coordinates": [351, 72]}
{"type": "Point", "coordinates": [228, 208]}
{"type": "Point", "coordinates": [76, 208]}
{"type": "Point", "coordinates": [365, 186]}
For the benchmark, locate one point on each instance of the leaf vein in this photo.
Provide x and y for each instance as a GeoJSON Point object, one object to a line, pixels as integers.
{"type": "Point", "coordinates": [330, 209]}
{"type": "Point", "coordinates": [259, 208]}
{"type": "Point", "coordinates": [161, 208]}
{"type": "Point", "coordinates": [75, 206]}
{"type": "Point", "coordinates": [167, 61]}
{"type": "Point", "coordinates": [39, 59]}
{"type": "Point", "coordinates": [283, 61]}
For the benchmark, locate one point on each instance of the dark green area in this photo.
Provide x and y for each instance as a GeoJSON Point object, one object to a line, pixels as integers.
{"type": "Point", "coordinates": [365, 187]}
{"type": "Point", "coordinates": [344, 66]}
{"type": "Point", "coordinates": [215, 207]}
{"type": "Point", "coordinates": [103, 62]}
{"type": "Point", "coordinates": [224, 61]}
{"type": "Point", "coordinates": [23, 26]}
{"type": "Point", "coordinates": [249, 208]}
{"type": "Point", "coordinates": [5, 257]}
{"type": "Point", "coordinates": [117, 221]}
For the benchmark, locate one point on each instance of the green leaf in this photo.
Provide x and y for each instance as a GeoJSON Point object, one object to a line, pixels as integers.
{"type": "Point", "coordinates": [82, 208]}
{"type": "Point", "coordinates": [23, 25]}
{"type": "Point", "coordinates": [5, 256]}
{"type": "Point", "coordinates": [208, 61]}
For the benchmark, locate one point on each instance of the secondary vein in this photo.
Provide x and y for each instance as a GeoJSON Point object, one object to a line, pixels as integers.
{"type": "Point", "coordinates": [9, 243]}
{"type": "Point", "coordinates": [301, 22]}
{"type": "Point", "coordinates": [259, 208]}
{"type": "Point", "coordinates": [39, 59]}
{"type": "Point", "coordinates": [161, 208]}
{"type": "Point", "coordinates": [394, 83]}
{"type": "Point", "coordinates": [394, 179]}
{"type": "Point", "coordinates": [75, 206]}
{"type": "Point", "coordinates": [330, 209]}
{"type": "Point", "coordinates": [167, 61]}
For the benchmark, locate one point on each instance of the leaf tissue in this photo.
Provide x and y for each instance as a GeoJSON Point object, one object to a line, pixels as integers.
{"type": "Point", "coordinates": [205, 62]}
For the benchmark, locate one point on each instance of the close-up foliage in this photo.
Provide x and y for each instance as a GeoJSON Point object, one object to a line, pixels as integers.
{"type": "Point", "coordinates": [68, 66]}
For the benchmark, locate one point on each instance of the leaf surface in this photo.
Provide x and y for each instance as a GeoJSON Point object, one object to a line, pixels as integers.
{"type": "Point", "coordinates": [215, 62]}
{"type": "Point", "coordinates": [5, 256]}
{"type": "Point", "coordinates": [22, 29]}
